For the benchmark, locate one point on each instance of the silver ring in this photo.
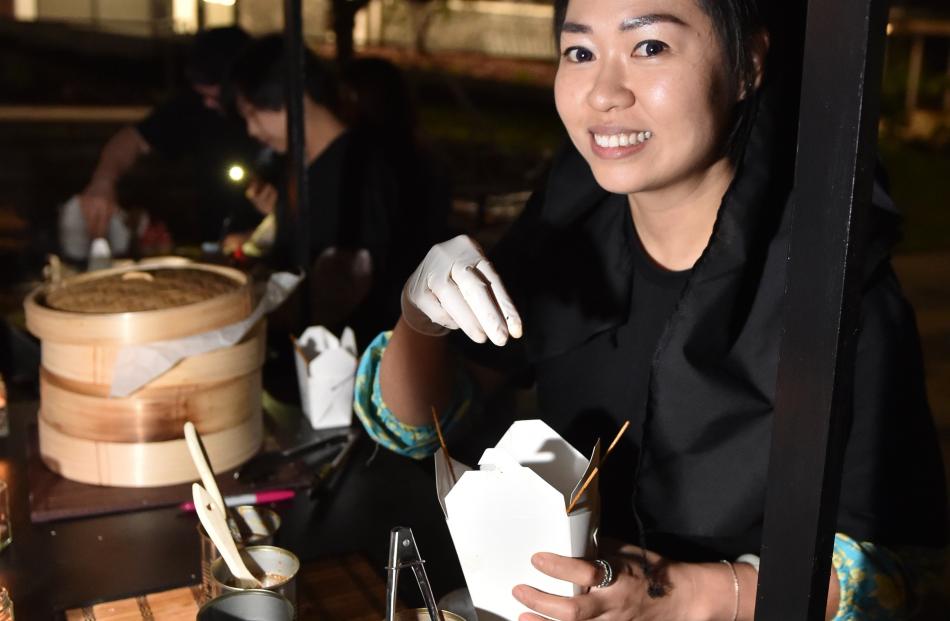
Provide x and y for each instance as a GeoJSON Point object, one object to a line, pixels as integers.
{"type": "Point", "coordinates": [608, 578]}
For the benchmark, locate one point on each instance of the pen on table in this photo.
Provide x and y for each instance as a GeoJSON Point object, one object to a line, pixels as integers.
{"type": "Point", "coordinates": [256, 498]}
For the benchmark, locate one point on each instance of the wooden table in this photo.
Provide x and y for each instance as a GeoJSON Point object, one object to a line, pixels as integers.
{"type": "Point", "coordinates": [346, 587]}
{"type": "Point", "coordinates": [57, 566]}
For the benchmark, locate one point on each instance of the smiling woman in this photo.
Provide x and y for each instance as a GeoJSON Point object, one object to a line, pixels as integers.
{"type": "Point", "coordinates": [645, 282]}
{"type": "Point", "coordinates": [663, 79]}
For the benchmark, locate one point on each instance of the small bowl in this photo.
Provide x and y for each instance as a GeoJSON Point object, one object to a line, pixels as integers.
{"type": "Point", "coordinates": [272, 560]}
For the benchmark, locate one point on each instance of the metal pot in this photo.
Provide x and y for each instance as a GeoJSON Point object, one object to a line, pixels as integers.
{"type": "Point", "coordinates": [251, 605]}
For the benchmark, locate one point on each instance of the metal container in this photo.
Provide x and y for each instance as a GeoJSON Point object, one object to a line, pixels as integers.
{"type": "Point", "coordinates": [263, 524]}
{"type": "Point", "coordinates": [273, 562]}
{"type": "Point", "coordinates": [249, 605]}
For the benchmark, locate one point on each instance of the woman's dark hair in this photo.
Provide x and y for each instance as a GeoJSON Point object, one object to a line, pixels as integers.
{"type": "Point", "coordinates": [737, 22]}
{"type": "Point", "coordinates": [259, 76]}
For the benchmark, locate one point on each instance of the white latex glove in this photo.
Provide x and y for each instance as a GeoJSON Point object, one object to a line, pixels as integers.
{"type": "Point", "coordinates": [455, 287]}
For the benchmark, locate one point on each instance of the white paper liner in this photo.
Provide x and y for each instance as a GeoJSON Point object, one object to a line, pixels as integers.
{"type": "Point", "coordinates": [137, 365]}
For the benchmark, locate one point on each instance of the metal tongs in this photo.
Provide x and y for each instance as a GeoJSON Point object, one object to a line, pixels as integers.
{"type": "Point", "coordinates": [404, 553]}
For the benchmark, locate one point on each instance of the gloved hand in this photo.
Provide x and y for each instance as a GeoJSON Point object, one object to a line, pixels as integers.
{"type": "Point", "coordinates": [455, 287]}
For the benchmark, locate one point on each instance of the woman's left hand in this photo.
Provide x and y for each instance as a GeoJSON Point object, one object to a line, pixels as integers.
{"type": "Point", "coordinates": [628, 596]}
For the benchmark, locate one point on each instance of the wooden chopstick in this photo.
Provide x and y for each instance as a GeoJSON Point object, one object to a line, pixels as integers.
{"type": "Point", "coordinates": [445, 449]}
{"type": "Point", "coordinates": [596, 470]}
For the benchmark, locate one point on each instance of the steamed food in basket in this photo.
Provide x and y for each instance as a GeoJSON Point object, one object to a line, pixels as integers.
{"type": "Point", "coordinates": [136, 441]}
{"type": "Point", "coordinates": [136, 291]}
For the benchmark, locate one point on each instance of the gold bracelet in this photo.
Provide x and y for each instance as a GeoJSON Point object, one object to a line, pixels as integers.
{"type": "Point", "coordinates": [735, 584]}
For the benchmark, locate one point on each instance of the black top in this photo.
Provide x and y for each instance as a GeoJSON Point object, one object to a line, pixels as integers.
{"type": "Point", "coordinates": [616, 391]}
{"type": "Point", "coordinates": [693, 468]}
{"type": "Point", "coordinates": [631, 347]}
{"type": "Point", "coordinates": [360, 198]}
{"type": "Point", "coordinates": [211, 142]}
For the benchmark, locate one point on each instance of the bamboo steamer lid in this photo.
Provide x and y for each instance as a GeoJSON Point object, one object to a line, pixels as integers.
{"type": "Point", "coordinates": [138, 440]}
{"type": "Point", "coordinates": [158, 323]}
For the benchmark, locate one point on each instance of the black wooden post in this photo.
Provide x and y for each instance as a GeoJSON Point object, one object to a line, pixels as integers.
{"type": "Point", "coordinates": [297, 191]}
{"type": "Point", "coordinates": [844, 42]}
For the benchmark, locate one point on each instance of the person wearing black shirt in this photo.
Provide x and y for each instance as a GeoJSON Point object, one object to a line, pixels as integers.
{"type": "Point", "coordinates": [645, 282]}
{"type": "Point", "coordinates": [369, 222]}
{"type": "Point", "coordinates": [377, 100]}
{"type": "Point", "coordinates": [193, 124]}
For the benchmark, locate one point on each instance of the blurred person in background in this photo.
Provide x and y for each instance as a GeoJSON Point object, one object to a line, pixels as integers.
{"type": "Point", "coordinates": [369, 216]}
{"type": "Point", "coordinates": [376, 101]}
{"type": "Point", "coordinates": [193, 123]}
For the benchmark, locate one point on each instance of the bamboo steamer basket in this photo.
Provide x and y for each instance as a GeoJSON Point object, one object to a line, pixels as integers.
{"type": "Point", "coordinates": [138, 441]}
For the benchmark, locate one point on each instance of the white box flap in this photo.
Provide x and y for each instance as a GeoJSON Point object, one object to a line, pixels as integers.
{"type": "Point", "coordinates": [592, 493]}
{"type": "Point", "coordinates": [534, 444]}
{"type": "Point", "coordinates": [443, 478]}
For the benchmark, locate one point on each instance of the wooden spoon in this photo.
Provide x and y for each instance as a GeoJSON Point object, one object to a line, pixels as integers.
{"type": "Point", "coordinates": [200, 457]}
{"type": "Point", "coordinates": [216, 526]}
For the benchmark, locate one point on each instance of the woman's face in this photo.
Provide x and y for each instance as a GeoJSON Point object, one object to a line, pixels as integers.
{"type": "Point", "coordinates": [644, 90]}
{"type": "Point", "coordinates": [266, 126]}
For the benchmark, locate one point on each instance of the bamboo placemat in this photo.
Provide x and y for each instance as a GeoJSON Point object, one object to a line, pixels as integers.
{"type": "Point", "coordinates": [337, 589]}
